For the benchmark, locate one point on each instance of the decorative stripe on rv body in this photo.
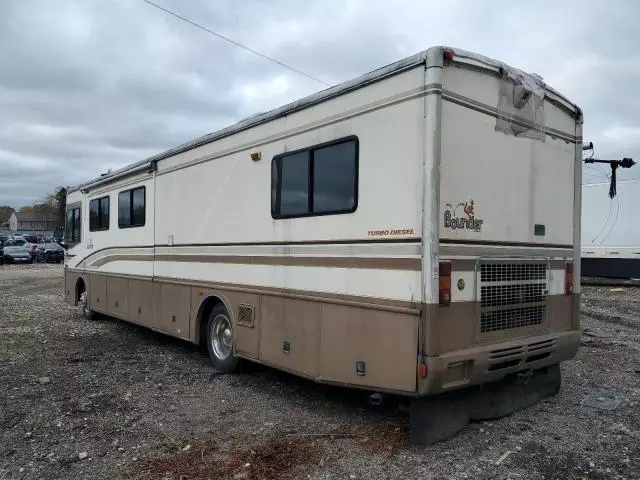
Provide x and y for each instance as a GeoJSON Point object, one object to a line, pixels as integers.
{"type": "Point", "coordinates": [388, 247]}
{"type": "Point", "coordinates": [388, 263]}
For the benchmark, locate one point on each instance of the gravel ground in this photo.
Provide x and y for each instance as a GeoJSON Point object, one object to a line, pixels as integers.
{"type": "Point", "coordinates": [106, 399]}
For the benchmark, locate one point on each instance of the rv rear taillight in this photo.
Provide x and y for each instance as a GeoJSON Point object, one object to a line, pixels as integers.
{"type": "Point", "coordinates": [569, 279]}
{"type": "Point", "coordinates": [447, 55]}
{"type": "Point", "coordinates": [444, 283]}
{"type": "Point", "coordinates": [422, 370]}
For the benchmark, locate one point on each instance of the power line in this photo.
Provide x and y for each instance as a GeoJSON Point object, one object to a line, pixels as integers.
{"type": "Point", "coordinates": [605, 223]}
{"type": "Point", "coordinates": [614, 222]}
{"type": "Point", "coordinates": [227, 39]}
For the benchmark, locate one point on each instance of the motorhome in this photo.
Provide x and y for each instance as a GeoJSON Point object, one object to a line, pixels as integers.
{"type": "Point", "coordinates": [412, 231]}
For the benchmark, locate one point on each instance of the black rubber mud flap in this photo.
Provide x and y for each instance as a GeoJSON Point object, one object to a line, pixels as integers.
{"type": "Point", "coordinates": [437, 418]}
{"type": "Point", "coordinates": [506, 397]}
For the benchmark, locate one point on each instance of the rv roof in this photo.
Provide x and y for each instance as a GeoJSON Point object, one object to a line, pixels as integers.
{"type": "Point", "coordinates": [460, 56]}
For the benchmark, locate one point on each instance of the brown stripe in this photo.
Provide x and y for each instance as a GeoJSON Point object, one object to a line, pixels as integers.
{"type": "Point", "coordinates": [457, 241]}
{"type": "Point", "coordinates": [120, 257]}
{"type": "Point", "coordinates": [340, 241]}
{"type": "Point", "coordinates": [413, 264]}
{"type": "Point", "coordinates": [328, 262]}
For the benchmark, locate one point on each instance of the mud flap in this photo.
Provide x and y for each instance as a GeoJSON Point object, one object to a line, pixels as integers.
{"type": "Point", "coordinates": [437, 418]}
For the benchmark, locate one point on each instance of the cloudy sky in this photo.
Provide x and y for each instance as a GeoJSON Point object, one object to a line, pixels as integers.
{"type": "Point", "coordinates": [89, 85]}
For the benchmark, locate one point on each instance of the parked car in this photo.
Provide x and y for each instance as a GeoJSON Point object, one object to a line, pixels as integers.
{"type": "Point", "coordinates": [49, 253]}
{"type": "Point", "coordinates": [15, 254]}
{"type": "Point", "coordinates": [19, 240]}
{"type": "Point", "coordinates": [31, 248]}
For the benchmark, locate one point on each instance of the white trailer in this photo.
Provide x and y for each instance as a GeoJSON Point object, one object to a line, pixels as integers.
{"type": "Point", "coordinates": [610, 231]}
{"type": "Point", "coordinates": [411, 231]}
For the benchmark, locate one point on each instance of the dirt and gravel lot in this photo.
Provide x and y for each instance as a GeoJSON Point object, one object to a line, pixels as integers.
{"type": "Point", "coordinates": [106, 399]}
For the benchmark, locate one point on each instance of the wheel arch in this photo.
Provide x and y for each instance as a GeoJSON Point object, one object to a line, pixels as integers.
{"type": "Point", "coordinates": [207, 304]}
{"type": "Point", "coordinates": [81, 284]}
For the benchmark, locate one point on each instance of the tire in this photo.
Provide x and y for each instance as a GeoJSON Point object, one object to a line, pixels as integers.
{"type": "Point", "coordinates": [84, 298]}
{"type": "Point", "coordinates": [220, 341]}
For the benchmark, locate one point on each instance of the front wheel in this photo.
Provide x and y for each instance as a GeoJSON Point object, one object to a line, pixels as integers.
{"type": "Point", "coordinates": [220, 341]}
{"type": "Point", "coordinates": [84, 304]}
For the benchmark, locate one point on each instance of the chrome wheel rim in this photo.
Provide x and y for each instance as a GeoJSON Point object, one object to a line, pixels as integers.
{"type": "Point", "coordinates": [83, 301]}
{"type": "Point", "coordinates": [221, 337]}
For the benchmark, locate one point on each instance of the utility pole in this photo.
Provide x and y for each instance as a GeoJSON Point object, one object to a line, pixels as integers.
{"type": "Point", "coordinates": [624, 163]}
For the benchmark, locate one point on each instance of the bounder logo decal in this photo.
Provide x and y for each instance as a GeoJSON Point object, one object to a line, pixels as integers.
{"type": "Point", "coordinates": [470, 222]}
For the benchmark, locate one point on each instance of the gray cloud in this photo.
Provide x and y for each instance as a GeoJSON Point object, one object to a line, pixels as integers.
{"type": "Point", "coordinates": [88, 85]}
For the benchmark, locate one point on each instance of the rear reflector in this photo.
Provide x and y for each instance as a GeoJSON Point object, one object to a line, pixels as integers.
{"type": "Point", "coordinates": [569, 279]}
{"type": "Point", "coordinates": [422, 370]}
{"type": "Point", "coordinates": [444, 283]}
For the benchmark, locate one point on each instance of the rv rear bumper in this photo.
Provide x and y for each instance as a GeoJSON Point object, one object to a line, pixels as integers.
{"type": "Point", "coordinates": [493, 362]}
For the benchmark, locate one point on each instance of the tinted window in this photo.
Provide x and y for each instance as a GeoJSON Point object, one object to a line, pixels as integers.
{"type": "Point", "coordinates": [124, 209]}
{"type": "Point", "coordinates": [104, 213]}
{"type": "Point", "coordinates": [294, 184]}
{"type": "Point", "coordinates": [334, 178]}
{"type": "Point", "coordinates": [94, 215]}
{"type": "Point", "coordinates": [131, 208]}
{"type": "Point", "coordinates": [318, 180]}
{"type": "Point", "coordinates": [137, 211]}
{"type": "Point", "coordinates": [68, 225]}
{"type": "Point", "coordinates": [76, 224]}
{"type": "Point", "coordinates": [72, 230]}
{"type": "Point", "coordinates": [99, 214]}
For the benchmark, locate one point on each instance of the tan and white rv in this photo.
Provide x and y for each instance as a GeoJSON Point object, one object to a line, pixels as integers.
{"type": "Point", "coordinates": [412, 231]}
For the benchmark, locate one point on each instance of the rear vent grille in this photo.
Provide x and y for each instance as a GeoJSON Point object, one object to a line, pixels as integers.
{"type": "Point", "coordinates": [512, 295]}
{"type": "Point", "coordinates": [532, 347]}
{"type": "Point", "coordinates": [506, 352]}
{"type": "Point", "coordinates": [246, 314]}
{"type": "Point", "coordinates": [512, 272]}
{"type": "Point", "coordinates": [500, 295]}
{"type": "Point", "coordinates": [512, 318]}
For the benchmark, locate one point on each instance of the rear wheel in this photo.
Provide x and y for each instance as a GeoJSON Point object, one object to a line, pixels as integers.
{"type": "Point", "coordinates": [220, 340]}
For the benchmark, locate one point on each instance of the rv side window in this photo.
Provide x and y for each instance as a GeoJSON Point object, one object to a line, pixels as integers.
{"type": "Point", "coordinates": [131, 208]}
{"type": "Point", "coordinates": [320, 180]}
{"type": "Point", "coordinates": [72, 227]}
{"type": "Point", "coordinates": [294, 184]}
{"type": "Point", "coordinates": [99, 214]}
